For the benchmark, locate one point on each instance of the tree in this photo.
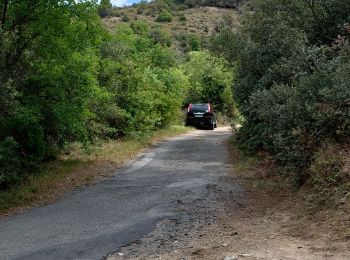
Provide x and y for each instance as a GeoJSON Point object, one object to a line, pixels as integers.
{"type": "Point", "coordinates": [104, 8]}
{"type": "Point", "coordinates": [48, 80]}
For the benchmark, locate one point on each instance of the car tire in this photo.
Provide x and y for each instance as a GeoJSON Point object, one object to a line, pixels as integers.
{"type": "Point", "coordinates": [212, 126]}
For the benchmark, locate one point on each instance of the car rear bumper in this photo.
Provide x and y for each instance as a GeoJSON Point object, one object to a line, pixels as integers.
{"type": "Point", "coordinates": [198, 121]}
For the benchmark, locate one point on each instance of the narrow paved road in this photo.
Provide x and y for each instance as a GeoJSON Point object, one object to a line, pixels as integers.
{"type": "Point", "coordinates": [95, 221]}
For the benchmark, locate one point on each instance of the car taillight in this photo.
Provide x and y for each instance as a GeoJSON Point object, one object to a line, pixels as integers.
{"type": "Point", "coordinates": [189, 107]}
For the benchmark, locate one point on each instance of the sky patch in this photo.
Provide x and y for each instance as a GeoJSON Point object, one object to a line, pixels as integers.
{"type": "Point", "coordinates": [120, 3]}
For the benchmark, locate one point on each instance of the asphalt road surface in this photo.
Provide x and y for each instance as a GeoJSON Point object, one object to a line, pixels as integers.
{"type": "Point", "coordinates": [97, 220]}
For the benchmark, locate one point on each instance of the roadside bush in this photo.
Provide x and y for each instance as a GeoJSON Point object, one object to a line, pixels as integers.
{"type": "Point", "coordinates": [291, 85]}
{"type": "Point", "coordinates": [143, 80]}
{"type": "Point", "coordinates": [328, 169]}
{"type": "Point", "coordinates": [48, 81]}
{"type": "Point", "coordinates": [330, 176]}
{"type": "Point", "coordinates": [111, 122]}
{"type": "Point", "coordinates": [10, 162]}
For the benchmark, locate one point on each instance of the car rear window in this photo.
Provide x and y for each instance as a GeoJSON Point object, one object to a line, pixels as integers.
{"type": "Point", "coordinates": [199, 108]}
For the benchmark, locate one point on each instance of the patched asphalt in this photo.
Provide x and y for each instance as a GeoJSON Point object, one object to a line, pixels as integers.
{"type": "Point", "coordinates": [97, 220]}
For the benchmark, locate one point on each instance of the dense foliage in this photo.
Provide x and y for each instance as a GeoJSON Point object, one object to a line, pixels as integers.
{"type": "Point", "coordinates": [293, 85]}
{"type": "Point", "coordinates": [145, 84]}
{"type": "Point", "coordinates": [104, 8]}
{"type": "Point", "coordinates": [164, 16]}
{"type": "Point", "coordinates": [211, 81]}
{"type": "Point", "coordinates": [48, 79]}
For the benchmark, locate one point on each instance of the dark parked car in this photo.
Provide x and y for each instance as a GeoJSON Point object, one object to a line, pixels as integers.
{"type": "Point", "coordinates": [201, 115]}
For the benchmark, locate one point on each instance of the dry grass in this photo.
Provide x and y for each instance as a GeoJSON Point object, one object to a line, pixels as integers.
{"type": "Point", "coordinates": [76, 168]}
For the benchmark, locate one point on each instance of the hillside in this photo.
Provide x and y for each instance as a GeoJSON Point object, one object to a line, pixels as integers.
{"type": "Point", "coordinates": [187, 29]}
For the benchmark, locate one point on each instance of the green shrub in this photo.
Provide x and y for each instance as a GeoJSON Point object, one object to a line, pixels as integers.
{"type": "Point", "coordinates": [10, 162]}
{"type": "Point", "coordinates": [328, 170]}
{"type": "Point", "coordinates": [292, 87]}
{"type": "Point", "coordinates": [48, 86]}
{"type": "Point", "coordinates": [146, 88]}
{"type": "Point", "coordinates": [161, 36]}
{"type": "Point", "coordinates": [140, 27]}
{"type": "Point", "coordinates": [104, 8]}
{"type": "Point", "coordinates": [194, 43]}
{"type": "Point", "coordinates": [182, 18]}
{"type": "Point", "coordinates": [111, 122]}
{"type": "Point", "coordinates": [330, 176]}
{"type": "Point", "coordinates": [125, 18]}
{"type": "Point", "coordinates": [164, 16]}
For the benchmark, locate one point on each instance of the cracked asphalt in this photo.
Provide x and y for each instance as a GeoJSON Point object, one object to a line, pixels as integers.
{"type": "Point", "coordinates": [96, 221]}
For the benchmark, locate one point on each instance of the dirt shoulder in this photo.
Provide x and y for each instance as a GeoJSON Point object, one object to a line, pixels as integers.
{"type": "Point", "coordinates": [266, 222]}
